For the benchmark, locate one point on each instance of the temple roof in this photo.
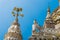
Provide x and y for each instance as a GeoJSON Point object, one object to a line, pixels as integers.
{"type": "Point", "coordinates": [56, 10]}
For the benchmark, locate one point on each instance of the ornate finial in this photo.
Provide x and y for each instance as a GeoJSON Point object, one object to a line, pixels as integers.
{"type": "Point", "coordinates": [16, 11]}
{"type": "Point", "coordinates": [48, 12]}
{"type": "Point", "coordinates": [48, 8]}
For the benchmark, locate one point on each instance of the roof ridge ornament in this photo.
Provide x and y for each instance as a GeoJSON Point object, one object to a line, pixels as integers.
{"type": "Point", "coordinates": [15, 13]}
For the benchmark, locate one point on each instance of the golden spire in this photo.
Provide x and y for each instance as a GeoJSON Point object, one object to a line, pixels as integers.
{"type": "Point", "coordinates": [14, 30]}
{"type": "Point", "coordinates": [17, 14]}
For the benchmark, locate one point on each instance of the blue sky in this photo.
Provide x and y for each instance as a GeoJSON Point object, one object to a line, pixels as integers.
{"type": "Point", "coordinates": [32, 9]}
